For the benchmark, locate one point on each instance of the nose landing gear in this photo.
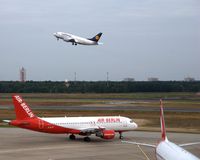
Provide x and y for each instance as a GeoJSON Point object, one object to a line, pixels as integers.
{"type": "Point", "coordinates": [120, 135]}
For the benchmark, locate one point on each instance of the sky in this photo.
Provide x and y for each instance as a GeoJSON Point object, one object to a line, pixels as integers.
{"type": "Point", "coordinates": [141, 39]}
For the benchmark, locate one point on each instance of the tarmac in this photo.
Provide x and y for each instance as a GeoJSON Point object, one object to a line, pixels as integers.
{"type": "Point", "coordinates": [20, 144]}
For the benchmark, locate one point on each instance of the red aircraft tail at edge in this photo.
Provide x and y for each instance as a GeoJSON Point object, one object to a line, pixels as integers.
{"type": "Point", "coordinates": [162, 121]}
{"type": "Point", "coordinates": [22, 110]}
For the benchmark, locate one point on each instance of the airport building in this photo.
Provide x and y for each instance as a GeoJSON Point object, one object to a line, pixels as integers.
{"type": "Point", "coordinates": [152, 79]}
{"type": "Point", "coordinates": [189, 79]}
{"type": "Point", "coordinates": [128, 79]}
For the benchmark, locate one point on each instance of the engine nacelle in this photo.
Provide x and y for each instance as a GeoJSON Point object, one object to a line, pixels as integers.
{"type": "Point", "coordinates": [106, 134]}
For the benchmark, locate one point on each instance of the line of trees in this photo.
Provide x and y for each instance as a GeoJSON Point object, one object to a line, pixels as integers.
{"type": "Point", "coordinates": [97, 87]}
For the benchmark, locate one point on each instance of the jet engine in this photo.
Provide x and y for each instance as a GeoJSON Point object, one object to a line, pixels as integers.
{"type": "Point", "coordinates": [106, 134]}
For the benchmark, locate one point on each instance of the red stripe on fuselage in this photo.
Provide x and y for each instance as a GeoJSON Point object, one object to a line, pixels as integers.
{"type": "Point", "coordinates": [37, 124]}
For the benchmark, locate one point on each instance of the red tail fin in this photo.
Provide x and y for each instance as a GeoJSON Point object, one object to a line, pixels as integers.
{"type": "Point", "coordinates": [162, 121]}
{"type": "Point", "coordinates": [22, 110]}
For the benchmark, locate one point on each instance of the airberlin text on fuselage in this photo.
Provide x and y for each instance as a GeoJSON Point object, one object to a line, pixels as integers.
{"type": "Point", "coordinates": [108, 120]}
{"type": "Point", "coordinates": [25, 107]}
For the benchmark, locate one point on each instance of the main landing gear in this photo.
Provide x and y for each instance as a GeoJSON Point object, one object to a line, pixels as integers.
{"type": "Point", "coordinates": [120, 135]}
{"type": "Point", "coordinates": [73, 43]}
{"type": "Point", "coordinates": [73, 137]}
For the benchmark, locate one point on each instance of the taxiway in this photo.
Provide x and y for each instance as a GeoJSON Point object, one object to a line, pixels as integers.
{"type": "Point", "coordinates": [19, 144]}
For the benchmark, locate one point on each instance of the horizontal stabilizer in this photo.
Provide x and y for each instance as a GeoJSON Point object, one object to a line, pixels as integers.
{"type": "Point", "coordinates": [7, 121]}
{"type": "Point", "coordinates": [100, 43]}
{"type": "Point", "coordinates": [140, 144]}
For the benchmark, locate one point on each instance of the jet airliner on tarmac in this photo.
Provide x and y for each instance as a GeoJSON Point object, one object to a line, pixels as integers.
{"type": "Point", "coordinates": [67, 37]}
{"type": "Point", "coordinates": [166, 150]}
{"type": "Point", "coordinates": [103, 127]}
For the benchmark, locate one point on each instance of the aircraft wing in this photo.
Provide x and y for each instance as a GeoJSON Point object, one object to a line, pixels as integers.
{"type": "Point", "coordinates": [140, 144]}
{"type": "Point", "coordinates": [69, 38]}
{"type": "Point", "coordinates": [189, 144]}
{"type": "Point", "coordinates": [91, 130]}
{"type": "Point", "coordinates": [72, 40]}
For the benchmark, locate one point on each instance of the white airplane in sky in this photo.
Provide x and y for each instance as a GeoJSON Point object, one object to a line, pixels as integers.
{"type": "Point", "coordinates": [67, 37]}
{"type": "Point", "coordinates": [166, 150]}
{"type": "Point", "coordinates": [103, 127]}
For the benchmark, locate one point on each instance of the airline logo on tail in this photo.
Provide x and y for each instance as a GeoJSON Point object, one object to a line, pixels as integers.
{"type": "Point", "coordinates": [97, 38]}
{"type": "Point", "coordinates": [24, 106]}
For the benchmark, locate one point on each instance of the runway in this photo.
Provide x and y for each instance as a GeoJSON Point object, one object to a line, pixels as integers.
{"type": "Point", "coordinates": [19, 144]}
{"type": "Point", "coordinates": [111, 108]}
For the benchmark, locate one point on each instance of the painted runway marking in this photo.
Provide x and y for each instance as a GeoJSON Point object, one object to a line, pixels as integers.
{"type": "Point", "coordinates": [50, 148]}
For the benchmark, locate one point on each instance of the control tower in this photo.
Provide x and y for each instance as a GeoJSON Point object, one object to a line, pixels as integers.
{"type": "Point", "coordinates": [22, 75]}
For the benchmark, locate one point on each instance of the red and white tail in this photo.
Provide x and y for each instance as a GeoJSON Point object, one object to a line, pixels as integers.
{"type": "Point", "coordinates": [22, 110]}
{"type": "Point", "coordinates": [162, 121]}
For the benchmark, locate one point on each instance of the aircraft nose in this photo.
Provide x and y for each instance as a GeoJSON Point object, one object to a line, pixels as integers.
{"type": "Point", "coordinates": [55, 34]}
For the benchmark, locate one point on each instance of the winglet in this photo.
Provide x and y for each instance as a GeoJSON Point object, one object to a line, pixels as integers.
{"type": "Point", "coordinates": [162, 121]}
{"type": "Point", "coordinates": [22, 110]}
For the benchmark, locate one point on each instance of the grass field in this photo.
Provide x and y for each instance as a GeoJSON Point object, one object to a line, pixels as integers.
{"type": "Point", "coordinates": [147, 95]}
{"type": "Point", "coordinates": [172, 99]}
{"type": "Point", "coordinates": [182, 122]}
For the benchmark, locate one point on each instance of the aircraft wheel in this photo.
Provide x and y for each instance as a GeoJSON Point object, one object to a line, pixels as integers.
{"type": "Point", "coordinates": [75, 43]}
{"type": "Point", "coordinates": [87, 139]}
{"type": "Point", "coordinates": [72, 137]}
{"type": "Point", "coordinates": [120, 135]}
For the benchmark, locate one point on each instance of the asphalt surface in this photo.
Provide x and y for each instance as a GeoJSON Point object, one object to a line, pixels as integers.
{"type": "Point", "coordinates": [19, 144]}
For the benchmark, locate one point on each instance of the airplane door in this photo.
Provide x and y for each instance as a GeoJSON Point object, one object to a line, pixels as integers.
{"type": "Point", "coordinates": [41, 124]}
{"type": "Point", "coordinates": [125, 124]}
{"type": "Point", "coordinates": [92, 124]}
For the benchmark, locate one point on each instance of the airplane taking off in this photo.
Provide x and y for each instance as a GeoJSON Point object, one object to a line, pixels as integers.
{"type": "Point", "coordinates": [103, 127]}
{"type": "Point", "coordinates": [67, 37]}
{"type": "Point", "coordinates": [166, 150]}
